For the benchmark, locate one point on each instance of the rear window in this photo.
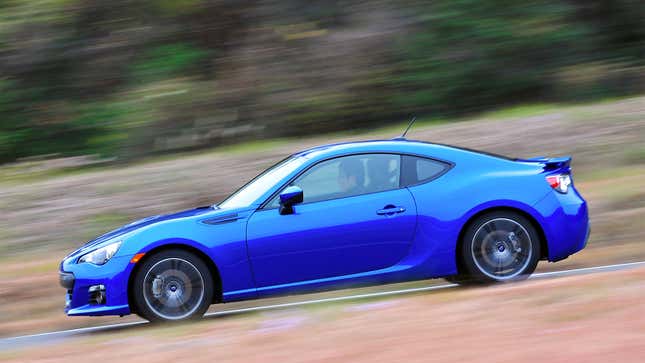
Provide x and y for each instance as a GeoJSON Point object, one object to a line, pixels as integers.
{"type": "Point", "coordinates": [416, 170]}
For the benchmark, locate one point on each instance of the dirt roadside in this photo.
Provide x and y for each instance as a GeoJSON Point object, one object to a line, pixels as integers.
{"type": "Point", "coordinates": [593, 318]}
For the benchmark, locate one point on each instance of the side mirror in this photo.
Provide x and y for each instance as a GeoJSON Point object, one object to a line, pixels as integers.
{"type": "Point", "coordinates": [289, 197]}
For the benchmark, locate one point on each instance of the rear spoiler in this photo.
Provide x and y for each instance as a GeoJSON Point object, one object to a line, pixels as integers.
{"type": "Point", "coordinates": [562, 164]}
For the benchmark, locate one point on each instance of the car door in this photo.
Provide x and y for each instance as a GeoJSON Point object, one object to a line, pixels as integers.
{"type": "Point", "coordinates": [347, 224]}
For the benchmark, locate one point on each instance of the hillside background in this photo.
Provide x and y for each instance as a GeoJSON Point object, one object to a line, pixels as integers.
{"type": "Point", "coordinates": [124, 79]}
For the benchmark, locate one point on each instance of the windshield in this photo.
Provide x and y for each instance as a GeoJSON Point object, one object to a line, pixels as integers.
{"type": "Point", "coordinates": [262, 183]}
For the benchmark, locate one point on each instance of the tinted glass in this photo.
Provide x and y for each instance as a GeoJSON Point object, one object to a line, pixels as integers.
{"type": "Point", "coordinates": [418, 170]}
{"type": "Point", "coordinates": [349, 176]}
{"type": "Point", "coordinates": [262, 183]}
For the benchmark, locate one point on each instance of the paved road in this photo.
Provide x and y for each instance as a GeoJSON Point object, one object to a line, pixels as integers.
{"type": "Point", "coordinates": [55, 336]}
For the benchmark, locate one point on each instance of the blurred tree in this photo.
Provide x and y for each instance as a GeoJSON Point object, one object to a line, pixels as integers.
{"type": "Point", "coordinates": [134, 77]}
{"type": "Point", "coordinates": [466, 55]}
{"type": "Point", "coordinates": [617, 28]}
{"type": "Point", "coordinates": [167, 61]}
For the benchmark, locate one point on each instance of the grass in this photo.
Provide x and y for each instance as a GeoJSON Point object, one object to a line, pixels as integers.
{"type": "Point", "coordinates": [527, 110]}
{"type": "Point", "coordinates": [250, 147]}
{"type": "Point", "coordinates": [635, 155]}
{"type": "Point", "coordinates": [101, 222]}
{"type": "Point", "coordinates": [19, 173]}
{"type": "Point", "coordinates": [600, 174]}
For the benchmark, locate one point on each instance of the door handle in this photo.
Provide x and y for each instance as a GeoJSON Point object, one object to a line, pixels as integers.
{"type": "Point", "coordinates": [390, 210]}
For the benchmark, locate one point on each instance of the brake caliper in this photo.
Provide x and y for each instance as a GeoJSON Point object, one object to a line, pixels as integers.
{"type": "Point", "coordinates": [516, 244]}
{"type": "Point", "coordinates": [157, 287]}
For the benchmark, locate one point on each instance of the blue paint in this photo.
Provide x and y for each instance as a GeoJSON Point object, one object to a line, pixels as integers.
{"type": "Point", "coordinates": [406, 233]}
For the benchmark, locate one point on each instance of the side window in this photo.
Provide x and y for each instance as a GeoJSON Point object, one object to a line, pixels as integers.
{"type": "Point", "coordinates": [348, 176]}
{"type": "Point", "coordinates": [418, 170]}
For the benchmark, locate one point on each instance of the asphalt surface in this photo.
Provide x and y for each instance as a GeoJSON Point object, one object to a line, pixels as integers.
{"type": "Point", "coordinates": [56, 336]}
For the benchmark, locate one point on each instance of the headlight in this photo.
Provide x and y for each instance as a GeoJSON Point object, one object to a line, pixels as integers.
{"type": "Point", "coordinates": [102, 255]}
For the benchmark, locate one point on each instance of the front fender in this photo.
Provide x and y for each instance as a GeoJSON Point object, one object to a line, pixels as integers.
{"type": "Point", "coordinates": [223, 244]}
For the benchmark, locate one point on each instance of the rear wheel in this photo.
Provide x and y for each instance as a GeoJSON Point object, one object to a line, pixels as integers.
{"type": "Point", "coordinates": [499, 246]}
{"type": "Point", "coordinates": [172, 285]}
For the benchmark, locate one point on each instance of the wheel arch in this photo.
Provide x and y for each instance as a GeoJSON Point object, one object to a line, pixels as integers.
{"type": "Point", "coordinates": [212, 267]}
{"type": "Point", "coordinates": [544, 246]}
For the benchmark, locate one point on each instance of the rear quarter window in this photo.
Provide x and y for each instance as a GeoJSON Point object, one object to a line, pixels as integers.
{"type": "Point", "coordinates": [417, 170]}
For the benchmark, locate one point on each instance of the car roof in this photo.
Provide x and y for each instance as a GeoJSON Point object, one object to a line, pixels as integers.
{"type": "Point", "coordinates": [398, 145]}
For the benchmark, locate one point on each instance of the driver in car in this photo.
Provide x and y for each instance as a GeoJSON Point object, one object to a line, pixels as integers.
{"type": "Point", "coordinates": [351, 176]}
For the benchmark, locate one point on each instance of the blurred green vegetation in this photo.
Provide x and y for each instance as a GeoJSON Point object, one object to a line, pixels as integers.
{"type": "Point", "coordinates": [131, 78]}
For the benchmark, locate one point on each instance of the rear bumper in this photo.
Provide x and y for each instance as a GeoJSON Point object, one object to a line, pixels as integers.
{"type": "Point", "coordinates": [565, 223]}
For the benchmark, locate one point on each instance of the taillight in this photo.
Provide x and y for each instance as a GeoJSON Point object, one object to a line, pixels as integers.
{"type": "Point", "coordinates": [559, 182]}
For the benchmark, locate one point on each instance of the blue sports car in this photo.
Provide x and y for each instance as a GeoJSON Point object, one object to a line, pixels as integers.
{"type": "Point", "coordinates": [347, 214]}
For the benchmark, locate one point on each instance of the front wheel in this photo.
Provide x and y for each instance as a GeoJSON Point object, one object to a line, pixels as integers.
{"type": "Point", "coordinates": [499, 246]}
{"type": "Point", "coordinates": [172, 285]}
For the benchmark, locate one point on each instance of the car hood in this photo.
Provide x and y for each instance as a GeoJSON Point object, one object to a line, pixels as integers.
{"type": "Point", "coordinates": [146, 222]}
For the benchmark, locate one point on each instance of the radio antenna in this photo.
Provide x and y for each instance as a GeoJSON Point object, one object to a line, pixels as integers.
{"type": "Point", "coordinates": [414, 118]}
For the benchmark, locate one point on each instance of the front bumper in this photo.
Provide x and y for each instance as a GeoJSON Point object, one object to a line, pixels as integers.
{"type": "Point", "coordinates": [84, 281]}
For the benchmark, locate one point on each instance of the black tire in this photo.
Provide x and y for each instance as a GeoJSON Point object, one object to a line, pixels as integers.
{"type": "Point", "coordinates": [172, 285]}
{"type": "Point", "coordinates": [461, 280]}
{"type": "Point", "coordinates": [498, 247]}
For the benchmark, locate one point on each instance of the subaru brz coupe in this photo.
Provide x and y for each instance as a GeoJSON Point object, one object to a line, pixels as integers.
{"type": "Point", "coordinates": [347, 214]}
